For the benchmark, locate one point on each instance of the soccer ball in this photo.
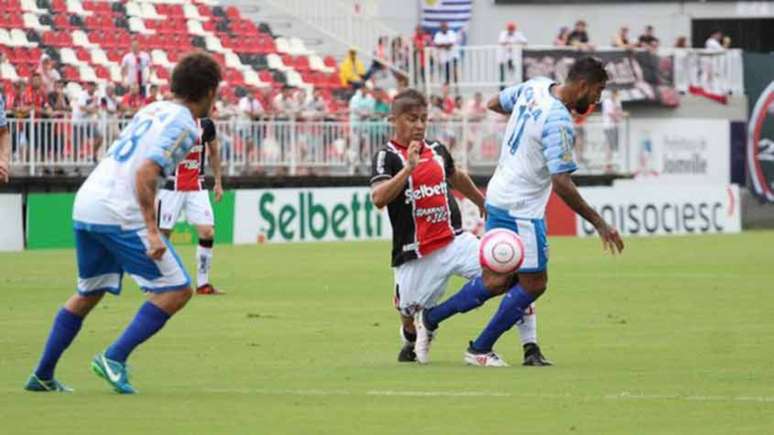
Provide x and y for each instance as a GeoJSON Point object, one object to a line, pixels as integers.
{"type": "Point", "coordinates": [501, 251]}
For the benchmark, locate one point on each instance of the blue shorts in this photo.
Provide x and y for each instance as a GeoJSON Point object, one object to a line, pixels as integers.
{"type": "Point", "coordinates": [105, 252]}
{"type": "Point", "coordinates": [532, 232]}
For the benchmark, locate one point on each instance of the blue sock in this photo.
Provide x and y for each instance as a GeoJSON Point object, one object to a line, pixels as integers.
{"type": "Point", "coordinates": [63, 331]}
{"type": "Point", "coordinates": [148, 321]}
{"type": "Point", "coordinates": [510, 311]}
{"type": "Point", "coordinates": [471, 295]}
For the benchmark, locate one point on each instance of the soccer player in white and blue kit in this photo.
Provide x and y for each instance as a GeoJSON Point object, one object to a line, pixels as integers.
{"type": "Point", "coordinates": [536, 156]}
{"type": "Point", "coordinates": [116, 228]}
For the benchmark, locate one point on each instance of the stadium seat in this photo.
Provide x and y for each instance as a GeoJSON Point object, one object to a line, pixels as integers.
{"type": "Point", "coordinates": [75, 7]}
{"type": "Point", "coordinates": [68, 56]}
{"type": "Point", "coordinates": [30, 6]}
{"type": "Point", "coordinates": [296, 47]}
{"type": "Point", "coordinates": [159, 57]}
{"type": "Point", "coordinates": [115, 73]}
{"type": "Point", "coordinates": [5, 38]}
{"type": "Point", "coordinates": [149, 12]}
{"type": "Point", "coordinates": [31, 22]}
{"type": "Point", "coordinates": [191, 12]}
{"type": "Point", "coordinates": [136, 25]}
{"type": "Point", "coordinates": [316, 63]}
{"type": "Point", "coordinates": [275, 62]}
{"type": "Point", "coordinates": [195, 28]}
{"type": "Point", "coordinates": [8, 72]}
{"type": "Point", "coordinates": [81, 39]}
{"type": "Point", "coordinates": [98, 57]}
{"type": "Point", "coordinates": [87, 74]}
{"type": "Point", "coordinates": [19, 39]}
{"type": "Point", "coordinates": [133, 9]}
{"type": "Point", "coordinates": [82, 54]}
{"type": "Point", "coordinates": [283, 46]}
{"type": "Point", "coordinates": [213, 44]}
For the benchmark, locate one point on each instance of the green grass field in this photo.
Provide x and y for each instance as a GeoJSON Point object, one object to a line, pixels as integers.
{"type": "Point", "coordinates": [675, 336]}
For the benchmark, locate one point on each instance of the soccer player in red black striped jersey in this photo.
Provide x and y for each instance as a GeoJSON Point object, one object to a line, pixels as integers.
{"type": "Point", "coordinates": [411, 176]}
{"type": "Point", "coordinates": [183, 192]}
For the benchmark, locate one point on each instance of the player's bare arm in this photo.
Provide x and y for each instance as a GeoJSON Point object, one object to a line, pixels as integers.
{"type": "Point", "coordinates": [462, 183]}
{"type": "Point", "coordinates": [494, 105]}
{"type": "Point", "coordinates": [566, 189]}
{"type": "Point", "coordinates": [5, 154]}
{"type": "Point", "coordinates": [147, 182]}
{"type": "Point", "coordinates": [213, 147]}
{"type": "Point", "coordinates": [383, 193]}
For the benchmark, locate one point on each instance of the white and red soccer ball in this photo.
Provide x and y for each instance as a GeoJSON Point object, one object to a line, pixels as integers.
{"type": "Point", "coordinates": [501, 251]}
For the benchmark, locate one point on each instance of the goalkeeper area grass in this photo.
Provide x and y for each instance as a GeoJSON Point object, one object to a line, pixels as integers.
{"type": "Point", "coordinates": [674, 336]}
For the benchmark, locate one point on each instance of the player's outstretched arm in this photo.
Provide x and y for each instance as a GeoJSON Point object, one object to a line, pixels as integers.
{"type": "Point", "coordinates": [462, 183]}
{"type": "Point", "coordinates": [214, 150]}
{"type": "Point", "coordinates": [146, 185]}
{"type": "Point", "coordinates": [566, 189]}
{"type": "Point", "coordinates": [383, 193]}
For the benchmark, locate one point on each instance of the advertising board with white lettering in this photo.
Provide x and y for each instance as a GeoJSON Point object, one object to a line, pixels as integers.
{"type": "Point", "coordinates": [681, 149]}
{"type": "Point", "coordinates": [668, 209]}
{"type": "Point", "coordinates": [308, 215]}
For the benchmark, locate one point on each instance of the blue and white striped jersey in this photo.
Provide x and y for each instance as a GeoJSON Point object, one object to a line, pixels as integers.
{"type": "Point", "coordinates": [538, 143]}
{"type": "Point", "coordinates": [163, 132]}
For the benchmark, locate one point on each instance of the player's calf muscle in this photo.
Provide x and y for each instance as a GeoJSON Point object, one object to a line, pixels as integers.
{"type": "Point", "coordinates": [81, 305]}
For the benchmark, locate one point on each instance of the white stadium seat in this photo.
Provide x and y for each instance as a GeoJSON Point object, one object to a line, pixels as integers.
{"type": "Point", "coordinates": [159, 57]}
{"type": "Point", "coordinates": [195, 28]}
{"type": "Point", "coordinates": [68, 56]}
{"type": "Point", "coordinates": [8, 72]}
{"type": "Point", "coordinates": [213, 43]}
{"type": "Point", "coordinates": [31, 22]}
{"type": "Point", "coordinates": [149, 12]}
{"type": "Point", "coordinates": [81, 39]}
{"type": "Point", "coordinates": [19, 39]}
{"type": "Point", "coordinates": [98, 57]}
{"type": "Point", "coordinates": [76, 7]}
{"type": "Point", "coordinates": [275, 62]}
{"type": "Point", "coordinates": [87, 74]}
{"type": "Point", "coordinates": [192, 13]}
{"type": "Point", "coordinates": [5, 38]}
{"type": "Point", "coordinates": [252, 79]}
{"type": "Point", "coordinates": [30, 6]}
{"type": "Point", "coordinates": [115, 73]}
{"type": "Point", "coordinates": [137, 25]}
{"type": "Point", "coordinates": [316, 63]}
{"type": "Point", "coordinates": [133, 9]}
{"type": "Point", "coordinates": [283, 45]}
{"type": "Point", "coordinates": [296, 47]}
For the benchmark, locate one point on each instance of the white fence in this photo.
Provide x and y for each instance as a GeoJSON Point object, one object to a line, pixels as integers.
{"type": "Point", "coordinates": [291, 147]}
{"type": "Point", "coordinates": [480, 67]}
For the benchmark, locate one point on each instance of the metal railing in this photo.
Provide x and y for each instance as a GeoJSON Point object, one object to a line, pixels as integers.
{"type": "Point", "coordinates": [488, 67]}
{"type": "Point", "coordinates": [337, 148]}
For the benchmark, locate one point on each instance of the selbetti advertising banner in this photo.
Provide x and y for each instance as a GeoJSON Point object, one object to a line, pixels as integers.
{"type": "Point", "coordinates": [308, 215]}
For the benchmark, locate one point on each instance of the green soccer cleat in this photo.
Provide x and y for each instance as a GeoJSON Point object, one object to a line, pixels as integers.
{"type": "Point", "coordinates": [36, 384]}
{"type": "Point", "coordinates": [114, 372]}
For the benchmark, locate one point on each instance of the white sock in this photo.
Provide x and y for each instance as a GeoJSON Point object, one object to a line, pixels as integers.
{"type": "Point", "coordinates": [528, 326]}
{"type": "Point", "coordinates": [203, 264]}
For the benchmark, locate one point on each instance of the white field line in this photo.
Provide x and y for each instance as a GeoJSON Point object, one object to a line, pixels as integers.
{"type": "Point", "coordinates": [624, 395]}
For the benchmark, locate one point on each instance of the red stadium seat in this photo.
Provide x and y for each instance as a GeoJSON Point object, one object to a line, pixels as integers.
{"type": "Point", "coordinates": [233, 13]}
{"type": "Point", "coordinates": [102, 72]}
{"type": "Point", "coordinates": [83, 55]}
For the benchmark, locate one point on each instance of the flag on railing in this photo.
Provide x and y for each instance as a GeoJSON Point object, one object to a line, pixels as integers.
{"type": "Point", "coordinates": [455, 12]}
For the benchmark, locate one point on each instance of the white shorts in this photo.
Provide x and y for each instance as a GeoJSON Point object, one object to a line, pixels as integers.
{"type": "Point", "coordinates": [195, 204]}
{"type": "Point", "coordinates": [422, 282]}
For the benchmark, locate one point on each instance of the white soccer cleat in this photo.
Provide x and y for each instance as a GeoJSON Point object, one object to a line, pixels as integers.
{"type": "Point", "coordinates": [424, 338]}
{"type": "Point", "coordinates": [483, 359]}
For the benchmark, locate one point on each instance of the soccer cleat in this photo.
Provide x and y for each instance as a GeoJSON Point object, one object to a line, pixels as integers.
{"type": "Point", "coordinates": [477, 358]}
{"type": "Point", "coordinates": [36, 384]}
{"type": "Point", "coordinates": [208, 289]}
{"type": "Point", "coordinates": [114, 372]}
{"type": "Point", "coordinates": [534, 357]}
{"type": "Point", "coordinates": [406, 353]}
{"type": "Point", "coordinates": [425, 337]}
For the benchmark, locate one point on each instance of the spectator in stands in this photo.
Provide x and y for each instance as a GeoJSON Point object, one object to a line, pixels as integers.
{"type": "Point", "coordinates": [60, 104]}
{"type": "Point", "coordinates": [726, 41]}
{"type": "Point", "coordinates": [284, 104]}
{"type": "Point", "coordinates": [380, 53]}
{"type": "Point", "coordinates": [5, 144]}
{"type": "Point", "coordinates": [85, 133]}
{"type": "Point", "coordinates": [250, 107]}
{"type": "Point", "coordinates": [561, 39]}
{"type": "Point", "coordinates": [648, 39]}
{"type": "Point", "coordinates": [621, 39]}
{"type": "Point", "coordinates": [109, 103]}
{"type": "Point", "coordinates": [446, 41]}
{"type": "Point", "coordinates": [399, 52]}
{"type": "Point", "coordinates": [134, 66]}
{"type": "Point", "coordinates": [132, 101]}
{"type": "Point", "coordinates": [36, 99]}
{"type": "Point", "coordinates": [681, 42]}
{"type": "Point", "coordinates": [153, 95]}
{"type": "Point", "coordinates": [612, 116]}
{"type": "Point", "coordinates": [362, 105]}
{"type": "Point", "coordinates": [48, 74]}
{"type": "Point", "coordinates": [476, 109]}
{"type": "Point", "coordinates": [382, 77]}
{"type": "Point", "coordinates": [15, 100]}
{"type": "Point", "coordinates": [715, 40]}
{"type": "Point", "coordinates": [579, 37]}
{"type": "Point", "coordinates": [509, 40]}
{"type": "Point", "coordinates": [435, 113]}
{"type": "Point", "coordinates": [315, 108]}
{"type": "Point", "coordinates": [352, 71]}
{"type": "Point", "coordinates": [381, 103]}
{"type": "Point", "coordinates": [420, 40]}
{"type": "Point", "coordinates": [447, 101]}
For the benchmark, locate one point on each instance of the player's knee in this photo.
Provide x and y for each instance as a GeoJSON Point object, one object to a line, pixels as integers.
{"type": "Point", "coordinates": [496, 283]}
{"type": "Point", "coordinates": [81, 305]}
{"type": "Point", "coordinates": [206, 234]}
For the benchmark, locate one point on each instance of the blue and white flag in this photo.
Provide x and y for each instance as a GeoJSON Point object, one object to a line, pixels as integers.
{"type": "Point", "coordinates": [456, 13]}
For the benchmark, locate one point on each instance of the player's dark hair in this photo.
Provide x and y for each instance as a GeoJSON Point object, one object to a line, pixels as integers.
{"type": "Point", "coordinates": [195, 75]}
{"type": "Point", "coordinates": [587, 69]}
{"type": "Point", "coordinates": [406, 100]}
